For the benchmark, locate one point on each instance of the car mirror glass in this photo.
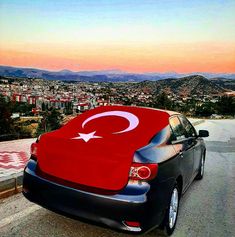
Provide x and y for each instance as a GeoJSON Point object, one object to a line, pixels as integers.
{"type": "Point", "coordinates": [203, 133]}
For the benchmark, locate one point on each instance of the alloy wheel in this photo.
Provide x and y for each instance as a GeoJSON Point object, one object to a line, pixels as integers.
{"type": "Point", "coordinates": [202, 167]}
{"type": "Point", "coordinates": [173, 208]}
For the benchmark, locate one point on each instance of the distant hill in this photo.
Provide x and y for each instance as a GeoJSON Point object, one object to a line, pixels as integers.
{"type": "Point", "coordinates": [100, 76]}
{"type": "Point", "coordinates": [186, 86]}
{"type": "Point", "coordinates": [67, 75]}
{"type": "Point", "coordinates": [224, 83]}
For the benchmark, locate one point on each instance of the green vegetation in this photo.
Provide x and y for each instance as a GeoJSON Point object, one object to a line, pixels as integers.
{"type": "Point", "coordinates": [51, 120]}
{"type": "Point", "coordinates": [68, 108]}
{"type": "Point", "coordinates": [6, 123]}
{"type": "Point", "coordinates": [225, 106]}
{"type": "Point", "coordinates": [162, 102]}
{"type": "Point", "coordinates": [16, 128]}
{"type": "Point", "coordinates": [21, 107]}
{"type": "Point", "coordinates": [11, 128]}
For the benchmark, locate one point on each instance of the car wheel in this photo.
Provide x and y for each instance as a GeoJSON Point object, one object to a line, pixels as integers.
{"type": "Point", "coordinates": [201, 169]}
{"type": "Point", "coordinates": [172, 211]}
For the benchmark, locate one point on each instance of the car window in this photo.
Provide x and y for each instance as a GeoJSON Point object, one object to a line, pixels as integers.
{"type": "Point", "coordinates": [178, 130]}
{"type": "Point", "coordinates": [188, 127]}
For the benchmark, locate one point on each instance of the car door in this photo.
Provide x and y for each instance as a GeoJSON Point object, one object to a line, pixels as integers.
{"type": "Point", "coordinates": [184, 148]}
{"type": "Point", "coordinates": [192, 135]}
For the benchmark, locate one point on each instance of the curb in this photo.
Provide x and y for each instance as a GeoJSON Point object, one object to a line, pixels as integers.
{"type": "Point", "coordinates": [198, 122]}
{"type": "Point", "coordinates": [11, 184]}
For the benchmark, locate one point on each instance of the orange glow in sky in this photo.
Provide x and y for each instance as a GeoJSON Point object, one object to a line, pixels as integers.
{"type": "Point", "coordinates": [119, 35]}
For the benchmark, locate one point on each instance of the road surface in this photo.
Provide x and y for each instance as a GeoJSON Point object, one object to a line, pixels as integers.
{"type": "Point", "coordinates": [207, 208]}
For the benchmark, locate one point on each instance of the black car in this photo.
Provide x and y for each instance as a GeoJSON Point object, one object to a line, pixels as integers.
{"type": "Point", "coordinates": [124, 167]}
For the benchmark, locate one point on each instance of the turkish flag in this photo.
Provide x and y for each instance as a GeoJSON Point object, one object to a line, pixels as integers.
{"type": "Point", "coordinates": [96, 149]}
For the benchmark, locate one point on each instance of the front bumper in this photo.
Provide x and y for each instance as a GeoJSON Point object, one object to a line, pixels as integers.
{"type": "Point", "coordinates": [135, 202]}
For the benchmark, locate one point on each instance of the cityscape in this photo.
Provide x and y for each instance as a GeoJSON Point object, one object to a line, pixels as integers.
{"type": "Point", "coordinates": [31, 98]}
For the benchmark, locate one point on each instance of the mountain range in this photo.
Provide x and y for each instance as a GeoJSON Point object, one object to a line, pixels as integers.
{"type": "Point", "coordinates": [104, 75]}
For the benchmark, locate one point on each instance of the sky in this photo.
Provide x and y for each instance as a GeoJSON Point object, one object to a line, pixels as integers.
{"type": "Point", "coordinates": [128, 35]}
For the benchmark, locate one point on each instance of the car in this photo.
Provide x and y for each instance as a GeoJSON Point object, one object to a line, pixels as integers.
{"type": "Point", "coordinates": [124, 167]}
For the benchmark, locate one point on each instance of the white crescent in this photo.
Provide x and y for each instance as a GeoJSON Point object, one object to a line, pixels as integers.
{"type": "Point", "coordinates": [132, 119]}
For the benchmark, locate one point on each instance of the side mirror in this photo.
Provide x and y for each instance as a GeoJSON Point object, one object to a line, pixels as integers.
{"type": "Point", "coordinates": [203, 133]}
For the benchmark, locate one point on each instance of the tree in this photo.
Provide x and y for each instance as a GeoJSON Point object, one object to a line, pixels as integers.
{"type": "Point", "coordinates": [41, 128]}
{"type": "Point", "coordinates": [68, 108]}
{"type": "Point", "coordinates": [51, 121]}
{"type": "Point", "coordinates": [162, 101]}
{"type": "Point", "coordinates": [21, 107]}
{"type": "Point", "coordinates": [43, 106]}
{"type": "Point", "coordinates": [226, 105]}
{"type": "Point", "coordinates": [6, 123]}
{"type": "Point", "coordinates": [206, 109]}
{"type": "Point", "coordinates": [54, 119]}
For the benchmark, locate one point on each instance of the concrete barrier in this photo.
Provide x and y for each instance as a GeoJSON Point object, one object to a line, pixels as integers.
{"type": "Point", "coordinates": [11, 184]}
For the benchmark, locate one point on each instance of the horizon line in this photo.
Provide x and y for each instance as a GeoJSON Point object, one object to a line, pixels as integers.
{"type": "Point", "coordinates": [115, 69]}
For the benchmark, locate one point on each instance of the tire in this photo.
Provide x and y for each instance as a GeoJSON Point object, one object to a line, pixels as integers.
{"type": "Point", "coordinates": [171, 215]}
{"type": "Point", "coordinates": [201, 169]}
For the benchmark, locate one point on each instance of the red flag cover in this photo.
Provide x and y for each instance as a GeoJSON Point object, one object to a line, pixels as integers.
{"type": "Point", "coordinates": [96, 148]}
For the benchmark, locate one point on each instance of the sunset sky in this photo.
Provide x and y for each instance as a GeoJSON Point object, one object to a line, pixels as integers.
{"type": "Point", "coordinates": [130, 35]}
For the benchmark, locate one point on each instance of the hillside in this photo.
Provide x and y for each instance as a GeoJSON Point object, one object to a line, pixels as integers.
{"type": "Point", "coordinates": [186, 86]}
{"type": "Point", "coordinates": [224, 83]}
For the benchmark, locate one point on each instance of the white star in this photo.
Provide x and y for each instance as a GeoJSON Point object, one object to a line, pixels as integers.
{"type": "Point", "coordinates": [86, 136]}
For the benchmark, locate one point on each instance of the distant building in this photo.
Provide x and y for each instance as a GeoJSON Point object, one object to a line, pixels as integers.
{"type": "Point", "coordinates": [82, 107]}
{"type": "Point", "coordinates": [102, 102]}
{"type": "Point", "coordinates": [16, 97]}
{"type": "Point", "coordinates": [32, 100]}
{"type": "Point", "coordinates": [15, 115]}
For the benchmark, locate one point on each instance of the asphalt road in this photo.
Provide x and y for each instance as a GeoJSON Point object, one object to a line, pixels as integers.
{"type": "Point", "coordinates": [207, 208]}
